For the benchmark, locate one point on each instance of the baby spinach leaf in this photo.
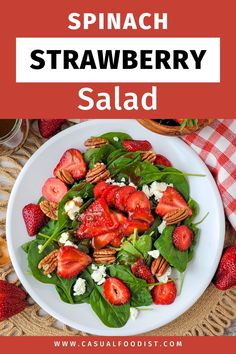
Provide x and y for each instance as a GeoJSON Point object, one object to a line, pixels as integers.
{"type": "Point", "coordinates": [178, 180]}
{"type": "Point", "coordinates": [65, 286]}
{"type": "Point", "coordinates": [79, 299]}
{"type": "Point", "coordinates": [194, 243]}
{"type": "Point", "coordinates": [195, 210]}
{"type": "Point", "coordinates": [116, 138]}
{"type": "Point", "coordinates": [25, 247]}
{"type": "Point", "coordinates": [124, 163]}
{"type": "Point", "coordinates": [115, 154]}
{"type": "Point", "coordinates": [100, 154]}
{"type": "Point", "coordinates": [140, 295]}
{"type": "Point", "coordinates": [176, 258]}
{"type": "Point", "coordinates": [125, 258]}
{"type": "Point", "coordinates": [110, 315]}
{"type": "Point", "coordinates": [144, 245]}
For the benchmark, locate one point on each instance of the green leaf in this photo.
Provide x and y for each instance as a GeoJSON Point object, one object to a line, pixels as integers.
{"type": "Point", "coordinates": [178, 180]}
{"type": "Point", "coordinates": [174, 257]}
{"type": "Point", "coordinates": [144, 245]}
{"type": "Point", "coordinates": [195, 210]}
{"type": "Point", "coordinates": [101, 154]}
{"type": "Point", "coordinates": [124, 163]}
{"type": "Point", "coordinates": [111, 316]}
{"type": "Point", "coordinates": [25, 247]}
{"type": "Point", "coordinates": [121, 136]}
{"type": "Point", "coordinates": [140, 295]}
{"type": "Point", "coordinates": [79, 299]}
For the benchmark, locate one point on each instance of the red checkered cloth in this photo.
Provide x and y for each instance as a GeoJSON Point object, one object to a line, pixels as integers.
{"type": "Point", "coordinates": [216, 145]}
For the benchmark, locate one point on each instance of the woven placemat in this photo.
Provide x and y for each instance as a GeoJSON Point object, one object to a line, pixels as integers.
{"type": "Point", "coordinates": [210, 316]}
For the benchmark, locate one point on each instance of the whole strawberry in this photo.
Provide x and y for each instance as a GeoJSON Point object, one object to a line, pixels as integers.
{"type": "Point", "coordinates": [12, 300]}
{"type": "Point", "coordinates": [49, 127]}
{"type": "Point", "coordinates": [34, 218]}
{"type": "Point", "coordinates": [225, 276]}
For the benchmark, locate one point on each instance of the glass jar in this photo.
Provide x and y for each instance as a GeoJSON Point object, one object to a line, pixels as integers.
{"type": "Point", "coordinates": [13, 133]}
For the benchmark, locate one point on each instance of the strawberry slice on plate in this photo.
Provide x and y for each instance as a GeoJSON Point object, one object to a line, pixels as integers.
{"type": "Point", "coordinates": [110, 197]}
{"type": "Point", "coordinates": [137, 200]}
{"type": "Point", "coordinates": [54, 190]}
{"type": "Point", "coordinates": [99, 189]}
{"type": "Point", "coordinates": [141, 270]}
{"type": "Point", "coordinates": [143, 215]}
{"type": "Point", "coordinates": [164, 293]}
{"type": "Point", "coordinates": [34, 218]}
{"type": "Point", "coordinates": [73, 162]}
{"type": "Point", "coordinates": [117, 241]}
{"type": "Point", "coordinates": [115, 291]}
{"type": "Point", "coordinates": [162, 160]}
{"type": "Point", "coordinates": [129, 227]}
{"type": "Point", "coordinates": [71, 262]}
{"type": "Point", "coordinates": [101, 241]}
{"type": "Point", "coordinates": [182, 237]}
{"type": "Point", "coordinates": [136, 145]}
{"type": "Point", "coordinates": [171, 201]}
{"type": "Point", "coordinates": [122, 195]}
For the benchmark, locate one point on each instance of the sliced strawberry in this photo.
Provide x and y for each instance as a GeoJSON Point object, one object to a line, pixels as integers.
{"type": "Point", "coordinates": [110, 198]}
{"type": "Point", "coordinates": [12, 300]}
{"type": "Point", "coordinates": [136, 145]}
{"type": "Point", "coordinates": [164, 293]}
{"type": "Point", "coordinates": [54, 190]}
{"type": "Point", "coordinates": [142, 215]}
{"type": "Point", "coordinates": [101, 241]}
{"type": "Point", "coordinates": [131, 225]}
{"type": "Point", "coordinates": [122, 195]}
{"type": "Point", "coordinates": [115, 291]}
{"type": "Point", "coordinates": [162, 160]}
{"type": "Point", "coordinates": [182, 237]}
{"type": "Point", "coordinates": [34, 218]}
{"type": "Point", "coordinates": [49, 127]}
{"type": "Point", "coordinates": [121, 218]}
{"type": "Point", "coordinates": [106, 191]}
{"type": "Point", "coordinates": [99, 188]}
{"type": "Point", "coordinates": [141, 270]}
{"type": "Point", "coordinates": [73, 162]}
{"type": "Point", "coordinates": [117, 241]}
{"type": "Point", "coordinates": [170, 201]}
{"type": "Point", "coordinates": [71, 262]}
{"type": "Point", "coordinates": [137, 200]}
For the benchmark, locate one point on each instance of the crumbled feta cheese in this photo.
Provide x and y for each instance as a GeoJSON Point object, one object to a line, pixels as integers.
{"type": "Point", "coordinates": [131, 184]}
{"type": "Point", "coordinates": [99, 275]}
{"type": "Point", "coordinates": [109, 180]}
{"type": "Point", "coordinates": [154, 254]}
{"type": "Point", "coordinates": [146, 190]}
{"type": "Point", "coordinates": [164, 278]}
{"type": "Point", "coordinates": [69, 243]}
{"type": "Point", "coordinates": [161, 227]}
{"type": "Point", "coordinates": [123, 179]}
{"type": "Point", "coordinates": [156, 189]}
{"type": "Point", "coordinates": [80, 287]}
{"type": "Point", "coordinates": [64, 237]}
{"type": "Point", "coordinates": [49, 276]}
{"type": "Point", "coordinates": [94, 267]}
{"type": "Point", "coordinates": [119, 184]}
{"type": "Point", "coordinates": [72, 207]}
{"type": "Point", "coordinates": [133, 313]}
{"type": "Point", "coordinates": [40, 247]}
{"type": "Point", "coordinates": [116, 138]}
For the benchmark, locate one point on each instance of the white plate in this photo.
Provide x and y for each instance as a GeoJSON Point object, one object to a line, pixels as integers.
{"type": "Point", "coordinates": [199, 272]}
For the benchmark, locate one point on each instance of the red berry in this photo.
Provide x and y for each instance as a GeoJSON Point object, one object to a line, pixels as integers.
{"type": "Point", "coordinates": [141, 270]}
{"type": "Point", "coordinates": [71, 262]}
{"type": "Point", "coordinates": [117, 241]}
{"type": "Point", "coordinates": [99, 188]}
{"type": "Point", "coordinates": [136, 145]}
{"type": "Point", "coordinates": [142, 215]}
{"type": "Point", "coordinates": [131, 225]}
{"type": "Point", "coordinates": [225, 276]}
{"type": "Point", "coordinates": [182, 237]}
{"type": "Point", "coordinates": [115, 291]}
{"type": "Point", "coordinates": [34, 218]}
{"type": "Point", "coordinates": [122, 195]}
{"type": "Point", "coordinates": [48, 127]}
{"type": "Point", "coordinates": [171, 201]}
{"type": "Point", "coordinates": [101, 241]}
{"type": "Point", "coordinates": [137, 200]}
{"type": "Point", "coordinates": [54, 190]}
{"type": "Point", "coordinates": [110, 198]}
{"type": "Point", "coordinates": [164, 294]}
{"type": "Point", "coordinates": [73, 162]}
{"type": "Point", "coordinates": [12, 300]}
{"type": "Point", "coordinates": [162, 160]}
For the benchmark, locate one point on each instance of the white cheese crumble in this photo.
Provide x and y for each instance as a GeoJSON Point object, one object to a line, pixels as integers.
{"type": "Point", "coordinates": [80, 287]}
{"type": "Point", "coordinates": [133, 313]}
{"type": "Point", "coordinates": [49, 276]}
{"type": "Point", "coordinates": [69, 243]}
{"type": "Point", "coordinates": [156, 189]}
{"type": "Point", "coordinates": [72, 207]}
{"type": "Point", "coordinates": [161, 227]}
{"type": "Point", "coordinates": [64, 237]}
{"type": "Point", "coordinates": [116, 138]}
{"type": "Point", "coordinates": [164, 278]}
{"type": "Point", "coordinates": [99, 274]}
{"type": "Point", "coordinates": [154, 254]}
{"type": "Point", "coordinates": [40, 247]}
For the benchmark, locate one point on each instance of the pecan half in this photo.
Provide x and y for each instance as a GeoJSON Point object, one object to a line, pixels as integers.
{"type": "Point", "coordinates": [65, 176]}
{"type": "Point", "coordinates": [49, 209]}
{"type": "Point", "coordinates": [94, 142]}
{"type": "Point", "coordinates": [148, 156]}
{"type": "Point", "coordinates": [49, 263]}
{"type": "Point", "coordinates": [159, 266]}
{"type": "Point", "coordinates": [175, 216]}
{"type": "Point", "coordinates": [98, 173]}
{"type": "Point", "coordinates": [105, 255]}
